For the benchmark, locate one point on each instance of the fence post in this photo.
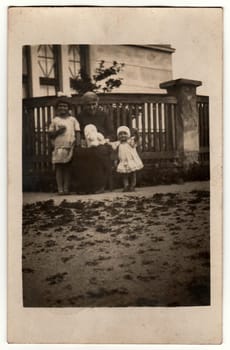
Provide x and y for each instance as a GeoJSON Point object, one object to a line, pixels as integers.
{"type": "Point", "coordinates": [187, 121]}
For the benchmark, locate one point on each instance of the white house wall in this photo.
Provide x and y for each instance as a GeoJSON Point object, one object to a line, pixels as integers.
{"type": "Point", "coordinates": [144, 70]}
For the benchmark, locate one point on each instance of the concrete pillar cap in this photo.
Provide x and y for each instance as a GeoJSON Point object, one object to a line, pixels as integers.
{"type": "Point", "coordinates": [180, 82]}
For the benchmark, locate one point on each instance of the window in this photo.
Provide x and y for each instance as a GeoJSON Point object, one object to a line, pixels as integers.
{"type": "Point", "coordinates": [49, 70]}
{"type": "Point", "coordinates": [74, 60]}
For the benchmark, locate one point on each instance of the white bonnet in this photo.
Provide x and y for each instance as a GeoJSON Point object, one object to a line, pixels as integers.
{"type": "Point", "coordinates": [90, 128]}
{"type": "Point", "coordinates": [124, 129]}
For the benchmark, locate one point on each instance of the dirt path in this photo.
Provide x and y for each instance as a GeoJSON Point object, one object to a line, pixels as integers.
{"type": "Point", "coordinates": [143, 249]}
{"type": "Point", "coordinates": [33, 197]}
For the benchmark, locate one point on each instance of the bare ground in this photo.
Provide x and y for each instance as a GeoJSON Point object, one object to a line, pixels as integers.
{"type": "Point", "coordinates": [149, 248]}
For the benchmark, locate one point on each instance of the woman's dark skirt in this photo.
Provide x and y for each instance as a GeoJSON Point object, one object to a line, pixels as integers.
{"type": "Point", "coordinates": [92, 169]}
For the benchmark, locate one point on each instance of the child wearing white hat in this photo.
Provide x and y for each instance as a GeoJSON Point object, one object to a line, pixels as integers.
{"type": "Point", "coordinates": [90, 132]}
{"type": "Point", "coordinates": [129, 160]}
{"type": "Point", "coordinates": [93, 137]}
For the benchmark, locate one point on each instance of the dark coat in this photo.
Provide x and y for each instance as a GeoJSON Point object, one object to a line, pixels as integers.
{"type": "Point", "coordinates": [92, 168]}
{"type": "Point", "coordinates": [100, 119]}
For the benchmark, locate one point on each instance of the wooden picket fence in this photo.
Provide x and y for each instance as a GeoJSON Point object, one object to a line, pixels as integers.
{"type": "Point", "coordinates": [153, 115]}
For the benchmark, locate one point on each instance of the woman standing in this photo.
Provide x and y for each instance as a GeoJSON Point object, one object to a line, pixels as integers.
{"type": "Point", "coordinates": [93, 166]}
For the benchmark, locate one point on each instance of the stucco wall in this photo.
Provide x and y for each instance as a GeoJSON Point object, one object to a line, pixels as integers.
{"type": "Point", "coordinates": [144, 69]}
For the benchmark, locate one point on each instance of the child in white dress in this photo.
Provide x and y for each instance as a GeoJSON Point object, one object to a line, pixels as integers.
{"type": "Point", "coordinates": [129, 161]}
{"type": "Point", "coordinates": [90, 132]}
{"type": "Point", "coordinates": [63, 130]}
{"type": "Point", "coordinates": [93, 137]}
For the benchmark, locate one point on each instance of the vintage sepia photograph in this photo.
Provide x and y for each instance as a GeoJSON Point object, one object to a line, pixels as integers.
{"type": "Point", "coordinates": [115, 175]}
{"type": "Point", "coordinates": [116, 193]}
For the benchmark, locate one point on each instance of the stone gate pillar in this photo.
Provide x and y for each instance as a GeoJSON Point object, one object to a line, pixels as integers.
{"type": "Point", "coordinates": [187, 117]}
